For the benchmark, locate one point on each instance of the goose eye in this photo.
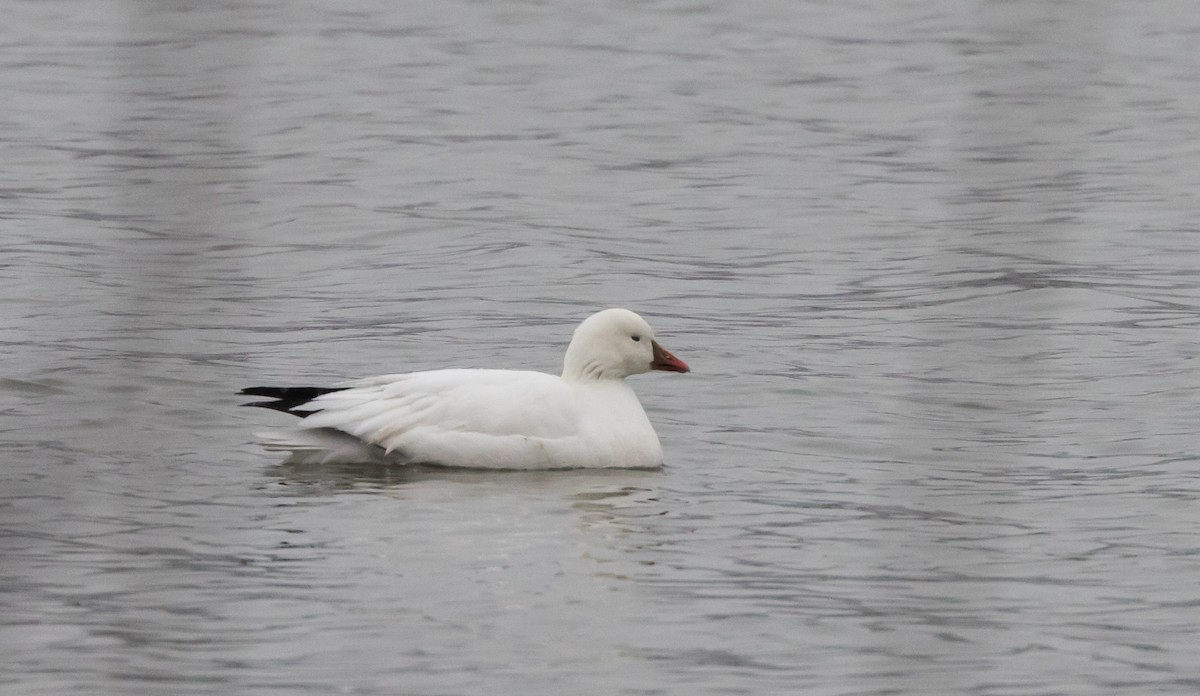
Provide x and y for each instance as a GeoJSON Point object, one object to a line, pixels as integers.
{"type": "Point", "coordinates": [636, 337]}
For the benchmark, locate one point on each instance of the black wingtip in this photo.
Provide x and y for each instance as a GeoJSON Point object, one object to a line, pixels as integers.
{"type": "Point", "coordinates": [287, 399]}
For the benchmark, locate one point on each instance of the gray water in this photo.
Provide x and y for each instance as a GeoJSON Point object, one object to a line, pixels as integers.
{"type": "Point", "coordinates": [934, 265]}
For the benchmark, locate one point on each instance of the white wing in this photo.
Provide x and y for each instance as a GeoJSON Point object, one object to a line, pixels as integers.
{"type": "Point", "coordinates": [478, 418]}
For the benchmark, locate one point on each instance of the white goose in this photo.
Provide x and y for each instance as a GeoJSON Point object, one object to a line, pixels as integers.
{"type": "Point", "coordinates": [490, 419]}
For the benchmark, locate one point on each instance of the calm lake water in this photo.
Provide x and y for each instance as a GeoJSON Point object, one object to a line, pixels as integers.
{"type": "Point", "coordinates": [934, 265]}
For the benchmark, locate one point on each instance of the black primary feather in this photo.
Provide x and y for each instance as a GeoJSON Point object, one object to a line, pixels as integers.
{"type": "Point", "coordinates": [288, 399]}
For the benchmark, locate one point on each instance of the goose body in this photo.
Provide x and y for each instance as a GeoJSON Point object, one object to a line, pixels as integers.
{"type": "Point", "coordinates": [587, 417]}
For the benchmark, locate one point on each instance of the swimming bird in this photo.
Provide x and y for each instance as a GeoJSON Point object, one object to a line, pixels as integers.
{"type": "Point", "coordinates": [587, 417]}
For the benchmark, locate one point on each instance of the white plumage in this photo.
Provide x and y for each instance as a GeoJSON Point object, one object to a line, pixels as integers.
{"type": "Point", "coordinates": [588, 417]}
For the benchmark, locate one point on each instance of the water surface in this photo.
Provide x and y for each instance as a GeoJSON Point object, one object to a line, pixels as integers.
{"type": "Point", "coordinates": [933, 265]}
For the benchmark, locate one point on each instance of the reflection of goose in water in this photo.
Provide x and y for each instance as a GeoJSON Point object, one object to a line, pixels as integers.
{"type": "Point", "coordinates": [490, 419]}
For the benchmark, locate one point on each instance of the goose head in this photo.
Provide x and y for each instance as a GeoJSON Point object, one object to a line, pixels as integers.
{"type": "Point", "coordinates": [614, 344]}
